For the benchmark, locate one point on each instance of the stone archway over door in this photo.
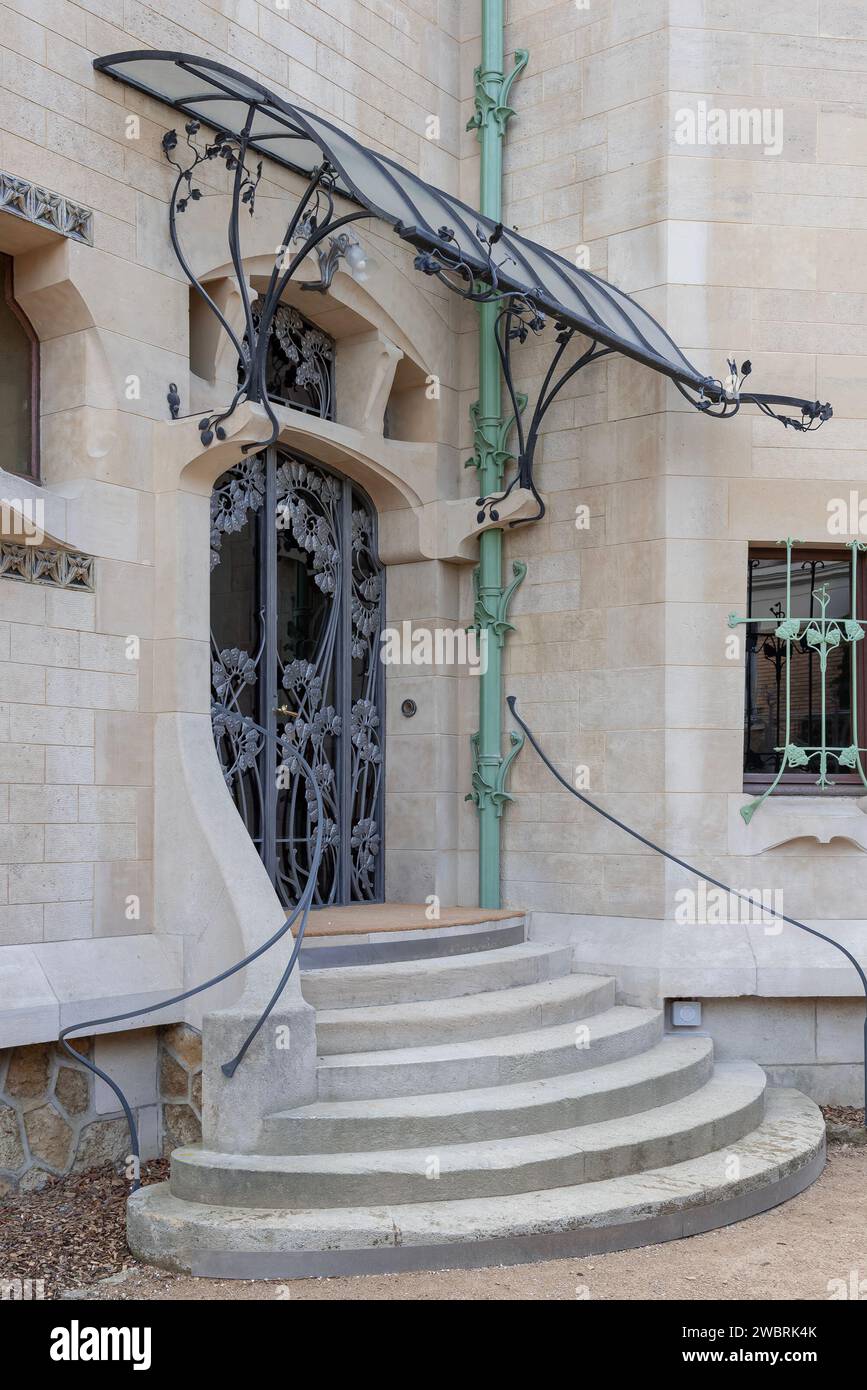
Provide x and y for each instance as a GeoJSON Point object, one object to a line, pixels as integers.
{"type": "Point", "coordinates": [296, 612]}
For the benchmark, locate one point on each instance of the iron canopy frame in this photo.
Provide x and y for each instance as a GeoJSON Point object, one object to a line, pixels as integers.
{"type": "Point", "coordinates": [479, 259]}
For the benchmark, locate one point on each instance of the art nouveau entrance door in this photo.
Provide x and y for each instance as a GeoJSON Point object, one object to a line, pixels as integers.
{"type": "Point", "coordinates": [296, 612]}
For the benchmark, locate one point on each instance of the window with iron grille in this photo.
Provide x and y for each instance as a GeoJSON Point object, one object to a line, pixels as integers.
{"type": "Point", "coordinates": [821, 703]}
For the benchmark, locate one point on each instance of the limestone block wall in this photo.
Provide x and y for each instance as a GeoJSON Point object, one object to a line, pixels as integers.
{"type": "Point", "coordinates": [816, 1045]}
{"type": "Point", "coordinates": [619, 659]}
{"type": "Point", "coordinates": [75, 768]}
{"type": "Point", "coordinates": [82, 720]}
{"type": "Point", "coordinates": [425, 752]}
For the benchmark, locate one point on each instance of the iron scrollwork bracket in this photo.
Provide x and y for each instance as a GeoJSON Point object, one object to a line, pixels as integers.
{"type": "Point", "coordinates": [312, 223]}
{"type": "Point", "coordinates": [517, 319]}
{"type": "Point", "coordinates": [519, 316]}
{"type": "Point", "coordinates": [722, 400]}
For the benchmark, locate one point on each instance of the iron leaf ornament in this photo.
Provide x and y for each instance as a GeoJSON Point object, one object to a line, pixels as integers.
{"type": "Point", "coordinates": [312, 229]}
{"type": "Point", "coordinates": [521, 318]}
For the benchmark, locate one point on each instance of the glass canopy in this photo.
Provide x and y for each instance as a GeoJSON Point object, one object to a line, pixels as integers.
{"type": "Point", "coordinates": [233, 103]}
{"type": "Point", "coordinates": [227, 100]}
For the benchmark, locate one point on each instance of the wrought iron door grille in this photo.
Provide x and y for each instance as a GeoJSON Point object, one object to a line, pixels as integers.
{"type": "Point", "coordinates": [297, 601]}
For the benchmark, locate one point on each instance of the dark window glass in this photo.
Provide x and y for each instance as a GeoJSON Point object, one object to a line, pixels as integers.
{"type": "Point", "coordinates": [19, 382]}
{"type": "Point", "coordinates": [815, 578]}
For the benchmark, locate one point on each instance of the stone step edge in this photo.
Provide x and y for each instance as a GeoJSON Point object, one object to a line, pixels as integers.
{"type": "Point", "coordinates": [590, 993]}
{"type": "Point", "coordinates": [430, 970]}
{"type": "Point", "coordinates": [557, 1049]}
{"type": "Point", "coordinates": [670, 1055]}
{"type": "Point", "coordinates": [783, 1156]}
{"type": "Point", "coordinates": [733, 1095]}
{"type": "Point", "coordinates": [610, 1022]}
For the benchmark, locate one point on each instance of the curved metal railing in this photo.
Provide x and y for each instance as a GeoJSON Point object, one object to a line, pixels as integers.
{"type": "Point", "coordinates": [230, 1067]}
{"type": "Point", "coordinates": [511, 701]}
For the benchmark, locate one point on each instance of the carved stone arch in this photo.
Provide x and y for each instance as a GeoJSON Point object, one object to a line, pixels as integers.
{"type": "Point", "coordinates": [415, 314]}
{"type": "Point", "coordinates": [393, 337]}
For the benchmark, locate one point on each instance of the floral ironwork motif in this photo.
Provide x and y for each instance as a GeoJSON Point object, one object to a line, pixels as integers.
{"type": "Point", "coordinates": [268, 346]}
{"type": "Point", "coordinates": [822, 635]}
{"type": "Point", "coordinates": [307, 502]}
{"type": "Point", "coordinates": [236, 494]}
{"type": "Point", "coordinates": [299, 366]}
{"type": "Point", "coordinates": [312, 689]}
{"type": "Point", "coordinates": [519, 316]}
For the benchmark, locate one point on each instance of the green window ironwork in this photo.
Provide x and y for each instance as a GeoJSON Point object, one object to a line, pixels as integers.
{"type": "Point", "coordinates": [801, 716]}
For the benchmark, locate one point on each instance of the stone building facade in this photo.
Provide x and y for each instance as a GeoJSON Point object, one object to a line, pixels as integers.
{"type": "Point", "coordinates": [125, 872]}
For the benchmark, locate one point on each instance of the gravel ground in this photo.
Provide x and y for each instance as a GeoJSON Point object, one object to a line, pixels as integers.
{"type": "Point", "coordinates": [72, 1231]}
{"type": "Point", "coordinates": [71, 1234]}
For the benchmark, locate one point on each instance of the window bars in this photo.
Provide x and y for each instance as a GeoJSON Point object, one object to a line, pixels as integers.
{"type": "Point", "coordinates": [821, 634]}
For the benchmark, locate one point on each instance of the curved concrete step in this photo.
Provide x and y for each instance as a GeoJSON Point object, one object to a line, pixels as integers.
{"type": "Point", "coordinates": [670, 1070]}
{"type": "Point", "coordinates": [721, 1112]}
{"type": "Point", "coordinates": [493, 1013]}
{"type": "Point", "coordinates": [405, 1071]}
{"type": "Point", "coordinates": [777, 1159]}
{"type": "Point", "coordinates": [444, 977]}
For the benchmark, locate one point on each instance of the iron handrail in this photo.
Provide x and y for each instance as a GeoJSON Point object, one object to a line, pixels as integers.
{"type": "Point", "coordinates": [229, 1068]}
{"type": "Point", "coordinates": [511, 701]}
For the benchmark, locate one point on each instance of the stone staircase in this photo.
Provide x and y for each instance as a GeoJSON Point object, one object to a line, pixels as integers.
{"type": "Point", "coordinates": [481, 1108]}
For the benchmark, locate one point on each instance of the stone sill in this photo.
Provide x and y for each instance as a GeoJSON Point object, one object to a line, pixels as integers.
{"type": "Point", "coordinates": [49, 985]}
{"type": "Point", "coordinates": [654, 960]}
{"type": "Point", "coordinates": [783, 819]}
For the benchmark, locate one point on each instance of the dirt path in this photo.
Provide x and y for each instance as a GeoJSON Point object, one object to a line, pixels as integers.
{"type": "Point", "coordinates": [792, 1252]}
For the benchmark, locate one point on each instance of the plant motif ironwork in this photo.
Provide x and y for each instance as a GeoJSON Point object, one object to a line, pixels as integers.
{"type": "Point", "coordinates": [491, 98]}
{"type": "Point", "coordinates": [490, 610]}
{"type": "Point", "coordinates": [519, 317]}
{"type": "Point", "coordinates": [299, 367]}
{"type": "Point", "coordinates": [320, 657]}
{"type": "Point", "coordinates": [532, 285]}
{"type": "Point", "coordinates": [266, 320]}
{"type": "Point", "coordinates": [489, 777]}
{"type": "Point", "coordinates": [238, 493]}
{"type": "Point", "coordinates": [822, 635]}
{"type": "Point", "coordinates": [491, 615]}
{"type": "Point", "coordinates": [239, 738]}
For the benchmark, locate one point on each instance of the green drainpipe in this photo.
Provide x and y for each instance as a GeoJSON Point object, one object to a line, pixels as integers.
{"type": "Point", "coordinates": [490, 768]}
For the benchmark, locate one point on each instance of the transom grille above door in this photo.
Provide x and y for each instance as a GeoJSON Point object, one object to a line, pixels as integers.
{"type": "Point", "coordinates": [296, 613]}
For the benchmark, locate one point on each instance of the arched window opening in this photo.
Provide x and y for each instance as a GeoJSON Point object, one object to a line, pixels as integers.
{"type": "Point", "coordinates": [19, 382]}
